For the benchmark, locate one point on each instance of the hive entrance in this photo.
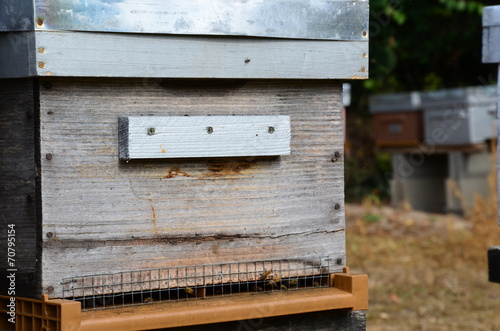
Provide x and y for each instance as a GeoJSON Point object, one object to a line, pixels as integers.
{"type": "Point", "coordinates": [193, 282]}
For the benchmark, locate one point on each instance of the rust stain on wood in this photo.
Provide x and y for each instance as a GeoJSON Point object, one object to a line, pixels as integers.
{"type": "Point", "coordinates": [153, 215]}
{"type": "Point", "coordinates": [174, 172]}
{"type": "Point", "coordinates": [226, 169]}
{"type": "Point", "coordinates": [215, 170]}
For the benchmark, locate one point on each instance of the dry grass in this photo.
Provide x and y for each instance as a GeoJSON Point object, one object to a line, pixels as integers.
{"type": "Point", "coordinates": [427, 272]}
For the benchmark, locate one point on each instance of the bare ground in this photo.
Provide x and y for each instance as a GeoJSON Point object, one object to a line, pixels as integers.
{"type": "Point", "coordinates": [426, 271]}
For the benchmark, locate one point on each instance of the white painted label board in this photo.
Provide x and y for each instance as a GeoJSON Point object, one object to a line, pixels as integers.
{"type": "Point", "coordinates": [158, 137]}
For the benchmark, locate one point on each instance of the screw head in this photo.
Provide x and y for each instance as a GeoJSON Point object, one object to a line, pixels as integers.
{"type": "Point", "coordinates": [210, 130]}
{"type": "Point", "coordinates": [49, 235]}
{"type": "Point", "coordinates": [339, 261]}
{"type": "Point", "coordinates": [50, 289]}
{"type": "Point", "coordinates": [337, 206]}
{"type": "Point", "coordinates": [151, 131]}
{"type": "Point", "coordinates": [271, 129]}
{"type": "Point", "coordinates": [48, 156]}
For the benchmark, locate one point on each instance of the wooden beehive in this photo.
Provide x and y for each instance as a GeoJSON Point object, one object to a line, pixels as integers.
{"type": "Point", "coordinates": [84, 202]}
{"type": "Point", "coordinates": [491, 54]}
{"type": "Point", "coordinates": [397, 119]}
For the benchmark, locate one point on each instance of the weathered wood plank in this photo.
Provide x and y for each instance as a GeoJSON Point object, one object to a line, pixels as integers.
{"type": "Point", "coordinates": [84, 54]}
{"type": "Point", "coordinates": [161, 137]}
{"type": "Point", "coordinates": [18, 194]}
{"type": "Point", "coordinates": [104, 215]}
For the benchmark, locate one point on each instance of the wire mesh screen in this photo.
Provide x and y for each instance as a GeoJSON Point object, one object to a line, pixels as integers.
{"type": "Point", "coordinates": [191, 282]}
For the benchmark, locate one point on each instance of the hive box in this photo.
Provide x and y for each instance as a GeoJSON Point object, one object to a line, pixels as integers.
{"type": "Point", "coordinates": [257, 174]}
{"type": "Point", "coordinates": [397, 119]}
{"type": "Point", "coordinates": [462, 116]}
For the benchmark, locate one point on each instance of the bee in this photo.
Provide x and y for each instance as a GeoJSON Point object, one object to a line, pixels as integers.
{"type": "Point", "coordinates": [292, 282]}
{"type": "Point", "coordinates": [283, 287]}
{"type": "Point", "coordinates": [265, 274]}
{"type": "Point", "coordinates": [316, 284]}
{"type": "Point", "coordinates": [272, 283]}
{"type": "Point", "coordinates": [148, 300]}
{"type": "Point", "coordinates": [188, 290]}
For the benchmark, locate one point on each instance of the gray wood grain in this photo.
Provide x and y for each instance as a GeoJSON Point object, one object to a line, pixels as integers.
{"type": "Point", "coordinates": [18, 194]}
{"type": "Point", "coordinates": [161, 137]}
{"type": "Point", "coordinates": [105, 216]}
{"type": "Point", "coordinates": [84, 54]}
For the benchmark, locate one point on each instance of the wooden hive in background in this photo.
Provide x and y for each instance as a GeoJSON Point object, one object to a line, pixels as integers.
{"type": "Point", "coordinates": [69, 74]}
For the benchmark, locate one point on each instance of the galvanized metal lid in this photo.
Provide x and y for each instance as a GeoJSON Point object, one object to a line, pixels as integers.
{"type": "Point", "coordinates": [434, 100]}
{"type": "Point", "coordinates": [459, 97]}
{"type": "Point", "coordinates": [395, 102]}
{"type": "Point", "coordinates": [310, 19]}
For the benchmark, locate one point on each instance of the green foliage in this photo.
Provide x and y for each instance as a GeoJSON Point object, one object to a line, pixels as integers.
{"type": "Point", "coordinates": [414, 45]}
{"type": "Point", "coordinates": [372, 218]}
{"type": "Point", "coordinates": [473, 7]}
